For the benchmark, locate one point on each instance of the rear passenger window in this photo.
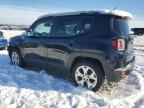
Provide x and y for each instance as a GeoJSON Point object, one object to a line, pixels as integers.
{"type": "Point", "coordinates": [87, 25]}
{"type": "Point", "coordinates": [66, 28]}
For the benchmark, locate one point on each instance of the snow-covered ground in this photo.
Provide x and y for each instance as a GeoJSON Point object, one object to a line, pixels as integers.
{"type": "Point", "coordinates": [23, 88]}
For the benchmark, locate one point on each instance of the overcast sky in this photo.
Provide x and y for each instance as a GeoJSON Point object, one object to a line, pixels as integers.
{"type": "Point", "coordinates": [26, 11]}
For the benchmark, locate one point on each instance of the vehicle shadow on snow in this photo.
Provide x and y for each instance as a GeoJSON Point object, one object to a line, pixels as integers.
{"type": "Point", "coordinates": [31, 78]}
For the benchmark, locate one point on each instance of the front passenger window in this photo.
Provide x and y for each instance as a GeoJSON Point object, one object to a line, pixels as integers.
{"type": "Point", "coordinates": [43, 29]}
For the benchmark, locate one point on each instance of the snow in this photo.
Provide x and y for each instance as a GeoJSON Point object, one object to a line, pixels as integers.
{"type": "Point", "coordinates": [116, 12]}
{"type": "Point", "coordinates": [120, 13]}
{"type": "Point", "coordinates": [25, 88]}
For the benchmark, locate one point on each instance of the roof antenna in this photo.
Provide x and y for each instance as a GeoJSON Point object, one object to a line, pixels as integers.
{"type": "Point", "coordinates": [115, 8]}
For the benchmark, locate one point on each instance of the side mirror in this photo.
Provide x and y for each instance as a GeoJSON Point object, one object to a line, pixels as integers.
{"type": "Point", "coordinates": [29, 33]}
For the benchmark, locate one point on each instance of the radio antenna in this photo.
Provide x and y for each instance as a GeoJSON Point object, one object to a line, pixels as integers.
{"type": "Point", "coordinates": [115, 8]}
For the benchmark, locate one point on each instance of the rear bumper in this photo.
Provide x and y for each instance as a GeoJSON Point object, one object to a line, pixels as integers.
{"type": "Point", "coordinates": [120, 73]}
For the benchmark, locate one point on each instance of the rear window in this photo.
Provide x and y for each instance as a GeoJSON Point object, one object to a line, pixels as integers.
{"type": "Point", "coordinates": [121, 26]}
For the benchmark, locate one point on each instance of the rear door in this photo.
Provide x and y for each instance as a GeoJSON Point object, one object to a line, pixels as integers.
{"type": "Point", "coordinates": [63, 41]}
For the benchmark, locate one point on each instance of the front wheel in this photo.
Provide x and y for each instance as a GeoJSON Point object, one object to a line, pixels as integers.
{"type": "Point", "coordinates": [89, 75]}
{"type": "Point", "coordinates": [16, 58]}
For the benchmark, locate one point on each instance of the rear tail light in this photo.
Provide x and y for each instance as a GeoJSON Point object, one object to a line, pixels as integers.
{"type": "Point", "coordinates": [118, 44]}
{"type": "Point", "coordinates": [121, 44]}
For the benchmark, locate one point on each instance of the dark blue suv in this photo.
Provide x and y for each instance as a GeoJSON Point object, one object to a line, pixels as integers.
{"type": "Point", "coordinates": [89, 46]}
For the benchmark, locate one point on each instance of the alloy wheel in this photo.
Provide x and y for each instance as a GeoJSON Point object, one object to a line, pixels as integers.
{"type": "Point", "coordinates": [15, 58]}
{"type": "Point", "coordinates": [86, 76]}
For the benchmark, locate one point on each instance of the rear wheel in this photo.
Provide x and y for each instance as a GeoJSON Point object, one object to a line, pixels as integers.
{"type": "Point", "coordinates": [16, 58]}
{"type": "Point", "coordinates": [89, 75]}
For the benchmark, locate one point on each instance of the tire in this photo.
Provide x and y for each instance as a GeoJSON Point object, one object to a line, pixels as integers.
{"type": "Point", "coordinates": [16, 58]}
{"type": "Point", "coordinates": [89, 75]}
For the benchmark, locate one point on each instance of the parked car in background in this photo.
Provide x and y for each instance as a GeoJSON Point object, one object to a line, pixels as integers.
{"type": "Point", "coordinates": [90, 46]}
{"type": "Point", "coordinates": [138, 31]}
{"type": "Point", "coordinates": [3, 41]}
